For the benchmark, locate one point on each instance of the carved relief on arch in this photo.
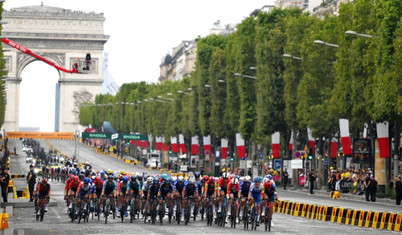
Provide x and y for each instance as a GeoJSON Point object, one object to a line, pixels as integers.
{"type": "Point", "coordinates": [23, 60]}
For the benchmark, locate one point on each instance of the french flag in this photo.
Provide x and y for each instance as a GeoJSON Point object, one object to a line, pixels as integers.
{"type": "Point", "coordinates": [291, 141]}
{"type": "Point", "coordinates": [334, 147]}
{"type": "Point", "coordinates": [345, 136]}
{"type": "Point", "coordinates": [175, 146]}
{"type": "Point", "coordinates": [241, 147]}
{"type": "Point", "coordinates": [138, 143]}
{"type": "Point", "coordinates": [224, 148]}
{"type": "Point", "coordinates": [194, 145]}
{"type": "Point", "coordinates": [207, 145]}
{"type": "Point", "coordinates": [182, 144]}
{"type": "Point", "coordinates": [158, 141]}
{"type": "Point", "coordinates": [311, 140]}
{"type": "Point", "coordinates": [275, 144]}
{"type": "Point", "coordinates": [383, 139]}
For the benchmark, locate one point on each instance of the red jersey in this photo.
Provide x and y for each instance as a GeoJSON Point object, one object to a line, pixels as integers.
{"type": "Point", "coordinates": [75, 184]}
{"type": "Point", "coordinates": [44, 188]}
{"type": "Point", "coordinates": [68, 183]}
{"type": "Point", "coordinates": [233, 188]}
{"type": "Point", "coordinates": [222, 186]}
{"type": "Point", "coordinates": [99, 184]}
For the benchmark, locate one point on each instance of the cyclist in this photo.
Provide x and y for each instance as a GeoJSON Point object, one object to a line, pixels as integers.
{"type": "Point", "coordinates": [35, 192]}
{"type": "Point", "coordinates": [244, 189]}
{"type": "Point", "coordinates": [153, 192]}
{"type": "Point", "coordinates": [97, 190]}
{"type": "Point", "coordinates": [255, 195]}
{"type": "Point", "coordinates": [178, 187]}
{"type": "Point", "coordinates": [200, 182]}
{"type": "Point", "coordinates": [72, 190]}
{"type": "Point", "coordinates": [108, 190]}
{"type": "Point", "coordinates": [189, 190]}
{"type": "Point", "coordinates": [122, 189]}
{"type": "Point", "coordinates": [222, 189]}
{"type": "Point", "coordinates": [233, 193]}
{"type": "Point", "coordinates": [145, 190]}
{"type": "Point", "coordinates": [166, 192]}
{"type": "Point", "coordinates": [83, 192]}
{"type": "Point", "coordinates": [135, 191]}
{"type": "Point", "coordinates": [44, 192]}
{"type": "Point", "coordinates": [270, 194]}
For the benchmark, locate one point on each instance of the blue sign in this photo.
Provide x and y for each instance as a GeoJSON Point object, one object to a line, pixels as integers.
{"type": "Point", "coordinates": [261, 155]}
{"type": "Point", "coordinates": [297, 154]}
{"type": "Point", "coordinates": [325, 161]}
{"type": "Point", "coordinates": [277, 164]}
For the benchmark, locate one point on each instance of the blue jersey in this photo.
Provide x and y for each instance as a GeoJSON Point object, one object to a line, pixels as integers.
{"type": "Point", "coordinates": [179, 187]}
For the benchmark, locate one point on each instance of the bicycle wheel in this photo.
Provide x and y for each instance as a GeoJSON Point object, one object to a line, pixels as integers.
{"type": "Point", "coordinates": [234, 215]}
{"type": "Point", "coordinates": [107, 210]}
{"type": "Point", "coordinates": [269, 218]}
{"type": "Point", "coordinates": [42, 213]}
{"type": "Point", "coordinates": [98, 209]}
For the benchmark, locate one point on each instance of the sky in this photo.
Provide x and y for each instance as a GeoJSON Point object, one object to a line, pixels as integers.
{"type": "Point", "coordinates": [141, 33]}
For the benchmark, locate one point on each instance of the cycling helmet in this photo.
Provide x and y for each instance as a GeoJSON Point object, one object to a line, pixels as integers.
{"type": "Point", "coordinates": [39, 179]}
{"type": "Point", "coordinates": [265, 180]}
{"type": "Point", "coordinates": [90, 181]}
{"type": "Point", "coordinates": [205, 178]}
{"type": "Point", "coordinates": [225, 175]}
{"type": "Point", "coordinates": [235, 181]}
{"type": "Point", "coordinates": [268, 177]}
{"type": "Point", "coordinates": [180, 178]}
{"type": "Point", "coordinates": [133, 178]}
{"type": "Point", "coordinates": [149, 179]}
{"type": "Point", "coordinates": [121, 172]}
{"type": "Point", "coordinates": [164, 176]}
{"type": "Point", "coordinates": [216, 179]}
{"type": "Point", "coordinates": [156, 180]}
{"type": "Point", "coordinates": [75, 178]}
{"type": "Point", "coordinates": [44, 180]}
{"type": "Point", "coordinates": [174, 178]}
{"type": "Point", "coordinates": [81, 177]}
{"type": "Point", "coordinates": [115, 177]}
{"type": "Point", "coordinates": [86, 180]}
{"type": "Point", "coordinates": [247, 179]}
{"type": "Point", "coordinates": [241, 179]}
{"type": "Point", "coordinates": [191, 181]}
{"type": "Point", "coordinates": [93, 177]}
{"type": "Point", "coordinates": [258, 179]}
{"type": "Point", "coordinates": [231, 176]}
{"type": "Point", "coordinates": [102, 173]}
{"type": "Point", "coordinates": [110, 177]}
{"type": "Point", "coordinates": [98, 179]}
{"type": "Point", "coordinates": [125, 179]}
{"type": "Point", "coordinates": [197, 174]}
{"type": "Point", "coordinates": [137, 174]}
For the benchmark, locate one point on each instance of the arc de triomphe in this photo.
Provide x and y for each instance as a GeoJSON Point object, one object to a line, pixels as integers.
{"type": "Point", "coordinates": [63, 37]}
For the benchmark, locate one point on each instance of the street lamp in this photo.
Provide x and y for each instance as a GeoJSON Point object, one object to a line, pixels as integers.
{"type": "Point", "coordinates": [325, 43]}
{"type": "Point", "coordinates": [207, 85]}
{"type": "Point", "coordinates": [292, 57]}
{"type": "Point", "coordinates": [76, 134]}
{"type": "Point", "coordinates": [245, 76]}
{"type": "Point", "coordinates": [221, 81]}
{"type": "Point", "coordinates": [358, 34]}
{"type": "Point", "coordinates": [253, 68]}
{"type": "Point", "coordinates": [182, 92]}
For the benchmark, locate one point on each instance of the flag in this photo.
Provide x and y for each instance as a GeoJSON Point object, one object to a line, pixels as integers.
{"type": "Point", "coordinates": [158, 141]}
{"type": "Point", "coordinates": [138, 143]}
{"type": "Point", "coordinates": [311, 140]}
{"type": "Point", "coordinates": [182, 144]}
{"type": "Point", "coordinates": [241, 148]}
{"type": "Point", "coordinates": [334, 147]}
{"type": "Point", "coordinates": [194, 145]}
{"type": "Point", "coordinates": [275, 144]}
{"type": "Point", "coordinates": [207, 145]}
{"type": "Point", "coordinates": [291, 141]}
{"type": "Point", "coordinates": [383, 139]}
{"type": "Point", "coordinates": [224, 148]}
{"type": "Point", "coordinates": [175, 146]}
{"type": "Point", "coordinates": [144, 144]}
{"type": "Point", "coordinates": [345, 138]}
{"type": "Point", "coordinates": [165, 147]}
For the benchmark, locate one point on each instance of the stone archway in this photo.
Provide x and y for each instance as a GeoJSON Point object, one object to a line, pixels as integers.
{"type": "Point", "coordinates": [64, 37]}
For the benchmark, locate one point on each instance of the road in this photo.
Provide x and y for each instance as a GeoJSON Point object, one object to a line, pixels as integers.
{"type": "Point", "coordinates": [57, 222]}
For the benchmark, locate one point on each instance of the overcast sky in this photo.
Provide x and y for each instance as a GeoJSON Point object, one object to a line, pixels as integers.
{"type": "Point", "coordinates": [141, 33]}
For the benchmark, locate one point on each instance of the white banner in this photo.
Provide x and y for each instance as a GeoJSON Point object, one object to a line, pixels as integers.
{"type": "Point", "coordinates": [297, 164]}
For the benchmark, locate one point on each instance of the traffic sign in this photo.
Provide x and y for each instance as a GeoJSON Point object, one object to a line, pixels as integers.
{"type": "Point", "coordinates": [261, 155]}
{"type": "Point", "coordinates": [207, 152]}
{"type": "Point", "coordinates": [297, 154]}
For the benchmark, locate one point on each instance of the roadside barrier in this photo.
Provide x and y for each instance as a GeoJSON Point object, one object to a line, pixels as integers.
{"type": "Point", "coordinates": [17, 176]}
{"type": "Point", "coordinates": [340, 215]}
{"type": "Point", "coordinates": [4, 221]}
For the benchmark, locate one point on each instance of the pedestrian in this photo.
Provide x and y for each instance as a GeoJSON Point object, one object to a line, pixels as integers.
{"type": "Point", "coordinates": [202, 170]}
{"type": "Point", "coordinates": [31, 180]}
{"type": "Point", "coordinates": [398, 189]}
{"type": "Point", "coordinates": [367, 186]}
{"type": "Point", "coordinates": [157, 163]}
{"type": "Point", "coordinates": [311, 177]}
{"type": "Point", "coordinates": [249, 172]}
{"type": "Point", "coordinates": [4, 180]}
{"type": "Point", "coordinates": [373, 191]}
{"type": "Point", "coordinates": [285, 178]}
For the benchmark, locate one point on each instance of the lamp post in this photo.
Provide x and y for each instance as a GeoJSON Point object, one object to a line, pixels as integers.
{"type": "Point", "coordinates": [292, 57]}
{"type": "Point", "coordinates": [325, 43]}
{"type": "Point", "coordinates": [245, 76]}
{"type": "Point", "coordinates": [358, 34]}
{"type": "Point", "coordinates": [76, 135]}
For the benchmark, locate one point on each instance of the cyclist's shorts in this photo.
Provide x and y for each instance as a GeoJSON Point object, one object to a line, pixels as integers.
{"type": "Point", "coordinates": [271, 197]}
{"type": "Point", "coordinates": [43, 194]}
{"type": "Point", "coordinates": [108, 192]}
{"type": "Point", "coordinates": [235, 195]}
{"type": "Point", "coordinates": [82, 194]}
{"type": "Point", "coordinates": [123, 190]}
{"type": "Point", "coordinates": [257, 198]}
{"type": "Point", "coordinates": [210, 194]}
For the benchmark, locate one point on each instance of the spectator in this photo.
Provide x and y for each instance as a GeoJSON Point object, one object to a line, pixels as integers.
{"type": "Point", "coordinates": [4, 179]}
{"type": "Point", "coordinates": [312, 178]}
{"type": "Point", "coordinates": [398, 189]}
{"type": "Point", "coordinates": [285, 178]}
{"type": "Point", "coordinates": [373, 191]}
{"type": "Point", "coordinates": [202, 170]}
{"type": "Point", "coordinates": [31, 180]}
{"type": "Point", "coordinates": [249, 172]}
{"type": "Point", "coordinates": [367, 186]}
